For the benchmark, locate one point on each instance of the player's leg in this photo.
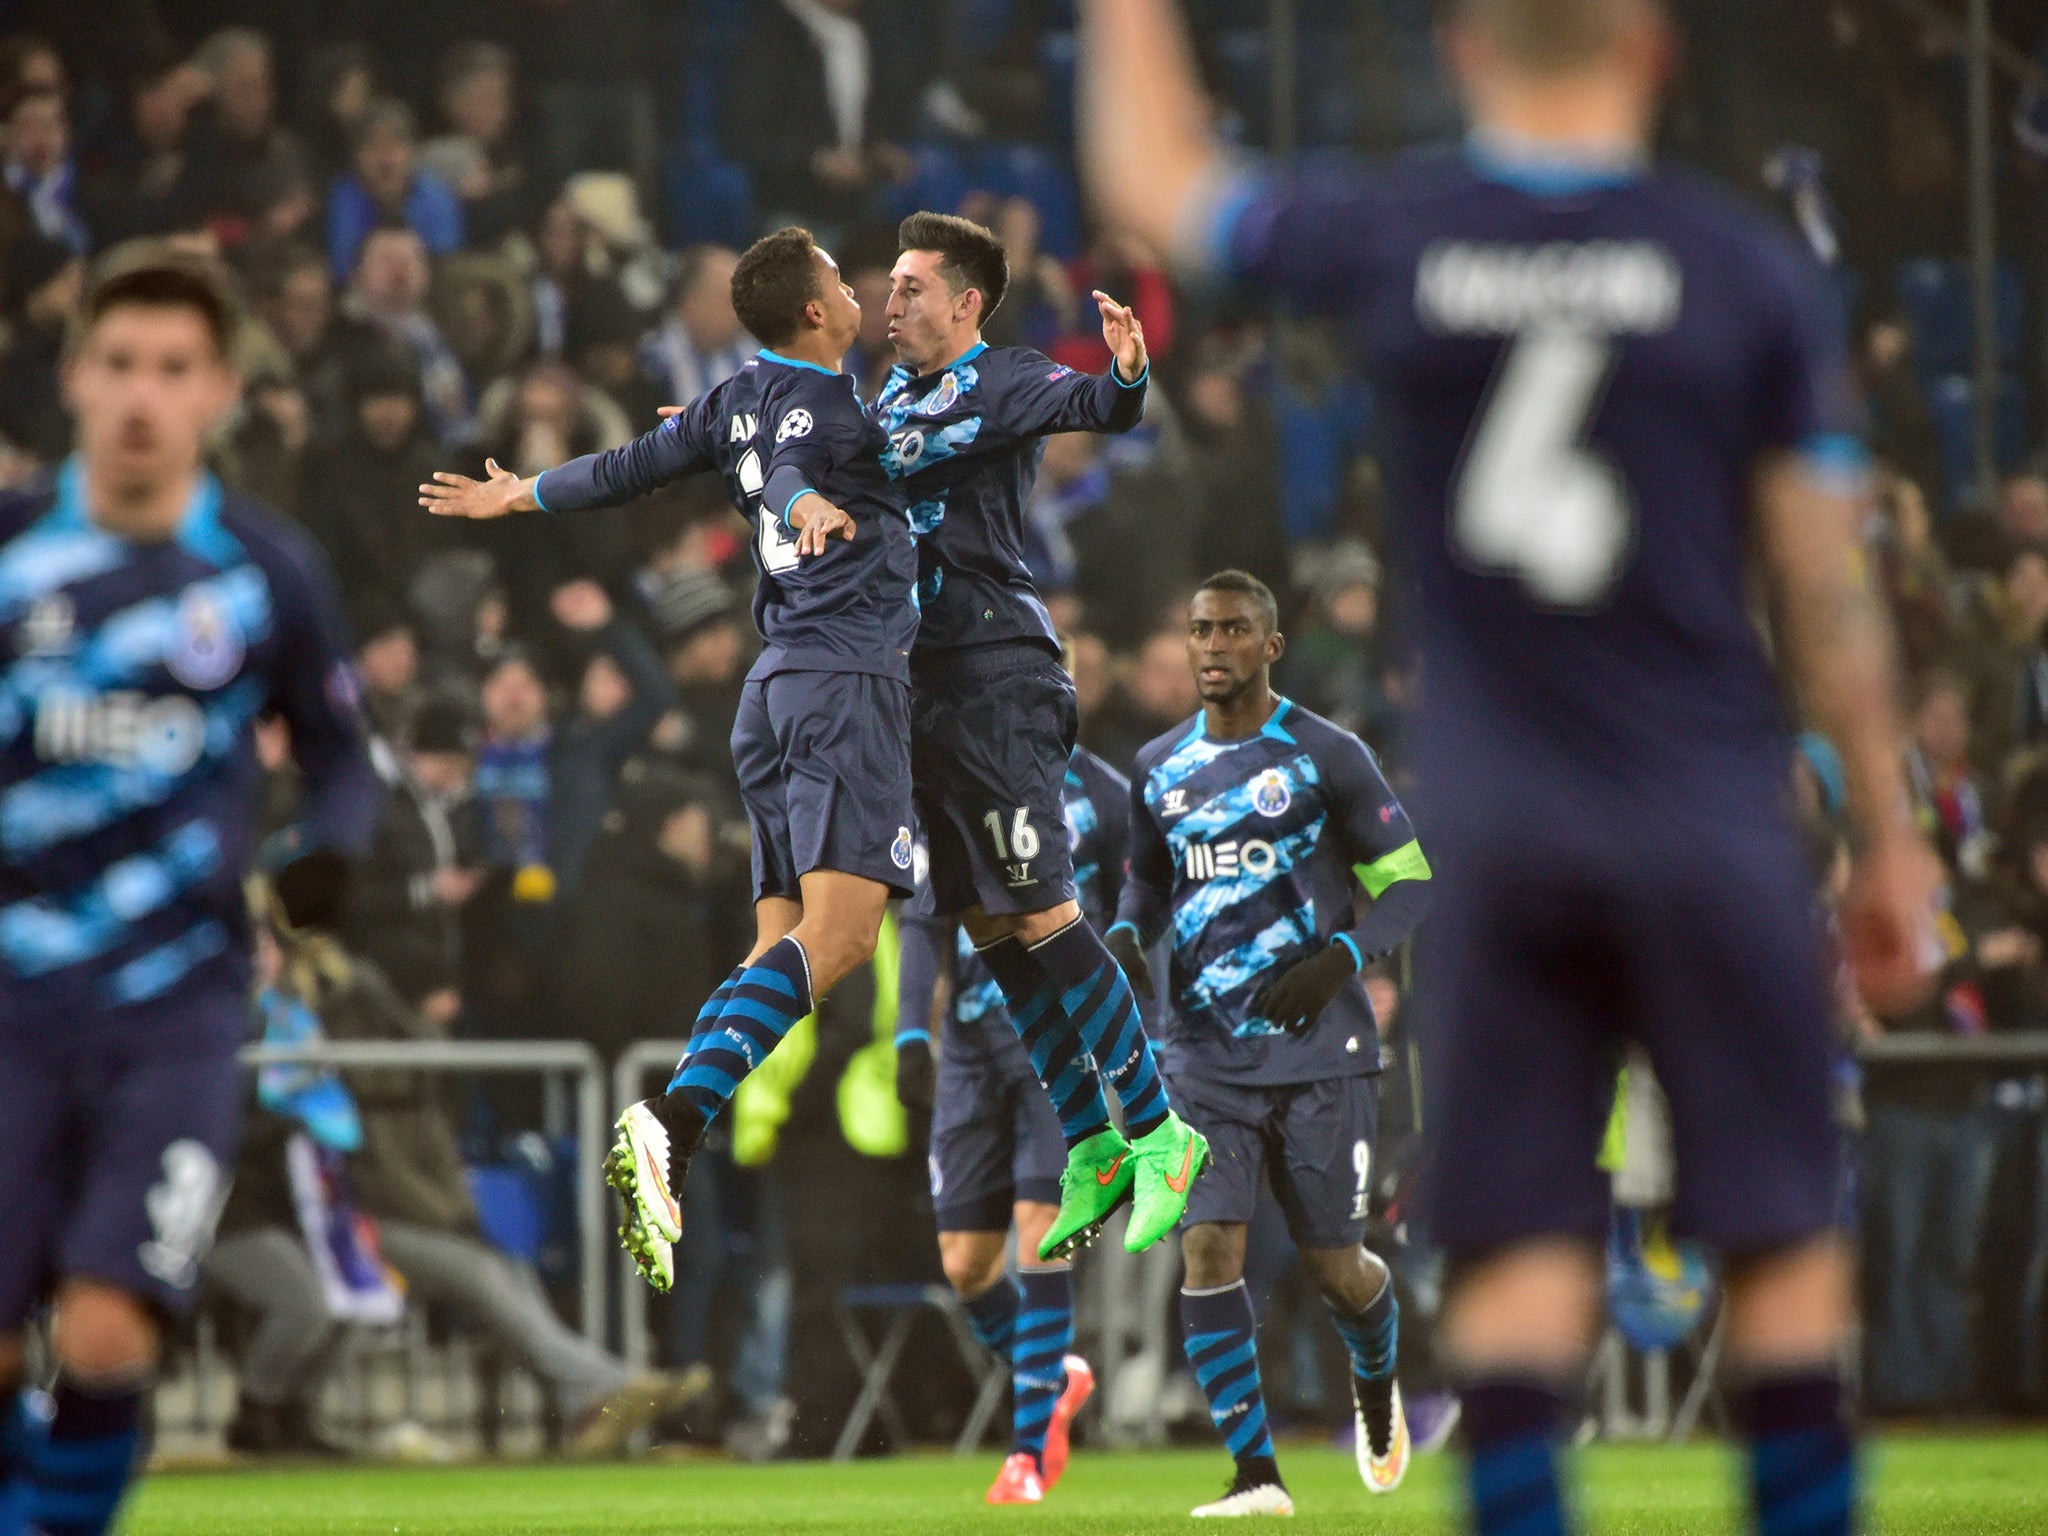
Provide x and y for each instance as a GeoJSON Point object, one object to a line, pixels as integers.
{"type": "Point", "coordinates": [1517, 980]}
{"type": "Point", "coordinates": [164, 1111]}
{"type": "Point", "coordinates": [1218, 1329]}
{"type": "Point", "coordinates": [33, 1106]}
{"type": "Point", "coordinates": [1324, 1183]}
{"type": "Point", "coordinates": [1050, 1382]}
{"type": "Point", "coordinates": [1737, 1027]}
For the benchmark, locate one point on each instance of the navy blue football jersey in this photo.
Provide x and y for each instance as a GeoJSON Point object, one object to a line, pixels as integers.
{"type": "Point", "coordinates": [775, 431]}
{"type": "Point", "coordinates": [1581, 369]}
{"type": "Point", "coordinates": [966, 443]}
{"type": "Point", "coordinates": [130, 677]}
{"type": "Point", "coordinates": [1097, 803]}
{"type": "Point", "coordinates": [1251, 855]}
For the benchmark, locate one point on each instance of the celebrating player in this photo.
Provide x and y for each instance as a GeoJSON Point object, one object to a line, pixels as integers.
{"type": "Point", "coordinates": [1253, 832]}
{"type": "Point", "coordinates": [996, 1149]}
{"type": "Point", "coordinates": [993, 714]}
{"type": "Point", "coordinates": [1597, 376]}
{"type": "Point", "coordinates": [821, 742]}
{"type": "Point", "coordinates": [147, 618]}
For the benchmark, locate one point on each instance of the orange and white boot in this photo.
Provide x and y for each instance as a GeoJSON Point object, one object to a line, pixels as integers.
{"type": "Point", "coordinates": [1080, 1386]}
{"type": "Point", "coordinates": [1018, 1482]}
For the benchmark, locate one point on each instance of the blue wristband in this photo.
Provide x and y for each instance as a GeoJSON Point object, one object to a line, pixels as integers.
{"type": "Point", "coordinates": [909, 1035]}
{"type": "Point", "coordinates": [1357, 959]}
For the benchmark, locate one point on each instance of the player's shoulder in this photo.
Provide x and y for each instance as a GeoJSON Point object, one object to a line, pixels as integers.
{"type": "Point", "coordinates": [22, 507]}
{"type": "Point", "coordinates": [800, 398]}
{"type": "Point", "coordinates": [1325, 741]}
{"type": "Point", "coordinates": [281, 547]}
{"type": "Point", "coordinates": [1718, 223]}
{"type": "Point", "coordinates": [1155, 753]}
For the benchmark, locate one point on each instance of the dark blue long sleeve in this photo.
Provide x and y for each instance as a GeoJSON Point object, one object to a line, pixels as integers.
{"type": "Point", "coordinates": [680, 446]}
{"type": "Point", "coordinates": [315, 692]}
{"type": "Point", "coordinates": [926, 943]}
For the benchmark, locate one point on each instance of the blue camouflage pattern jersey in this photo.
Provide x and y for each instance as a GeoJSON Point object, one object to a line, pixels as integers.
{"type": "Point", "coordinates": [1097, 803]}
{"type": "Point", "coordinates": [1252, 855]}
{"type": "Point", "coordinates": [776, 430]}
{"type": "Point", "coordinates": [966, 442]}
{"type": "Point", "coordinates": [130, 676]}
{"type": "Point", "coordinates": [1580, 368]}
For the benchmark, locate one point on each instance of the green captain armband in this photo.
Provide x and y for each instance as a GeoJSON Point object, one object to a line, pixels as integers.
{"type": "Point", "coordinates": [1404, 863]}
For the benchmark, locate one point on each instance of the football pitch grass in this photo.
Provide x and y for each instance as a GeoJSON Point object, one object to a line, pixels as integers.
{"type": "Point", "coordinates": [1975, 1485]}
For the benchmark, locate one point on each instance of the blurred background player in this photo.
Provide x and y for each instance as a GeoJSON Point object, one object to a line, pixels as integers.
{"type": "Point", "coordinates": [147, 618]}
{"type": "Point", "coordinates": [993, 716]}
{"type": "Point", "coordinates": [822, 742]}
{"type": "Point", "coordinates": [996, 1149]}
{"type": "Point", "coordinates": [1599, 376]}
{"type": "Point", "coordinates": [1253, 832]}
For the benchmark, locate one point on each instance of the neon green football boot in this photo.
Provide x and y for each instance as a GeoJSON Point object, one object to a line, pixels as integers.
{"type": "Point", "coordinates": [1097, 1180]}
{"type": "Point", "coordinates": [1170, 1157]}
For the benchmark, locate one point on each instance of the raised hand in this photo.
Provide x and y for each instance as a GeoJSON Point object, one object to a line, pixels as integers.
{"type": "Point", "coordinates": [453, 495]}
{"type": "Point", "coordinates": [1125, 337]}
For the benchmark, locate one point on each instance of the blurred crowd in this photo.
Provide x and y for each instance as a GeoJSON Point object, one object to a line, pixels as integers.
{"type": "Point", "coordinates": [507, 231]}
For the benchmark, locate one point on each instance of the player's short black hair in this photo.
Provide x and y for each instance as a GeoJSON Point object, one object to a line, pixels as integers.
{"type": "Point", "coordinates": [970, 256]}
{"type": "Point", "coordinates": [775, 279]}
{"type": "Point", "coordinates": [1249, 587]}
{"type": "Point", "coordinates": [155, 276]}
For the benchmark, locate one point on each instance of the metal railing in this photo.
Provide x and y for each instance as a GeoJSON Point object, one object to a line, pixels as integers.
{"type": "Point", "coordinates": [2021, 1048]}
{"type": "Point", "coordinates": [498, 1056]}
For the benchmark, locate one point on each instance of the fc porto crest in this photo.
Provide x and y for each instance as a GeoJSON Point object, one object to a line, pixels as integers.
{"type": "Point", "coordinates": [1270, 795]}
{"type": "Point", "coordinates": [900, 850]}
{"type": "Point", "coordinates": [206, 648]}
{"type": "Point", "coordinates": [942, 399]}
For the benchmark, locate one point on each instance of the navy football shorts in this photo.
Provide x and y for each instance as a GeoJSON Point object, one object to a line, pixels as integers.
{"type": "Point", "coordinates": [1312, 1143]}
{"type": "Point", "coordinates": [117, 1140]}
{"type": "Point", "coordinates": [995, 1141]}
{"type": "Point", "coordinates": [1533, 969]}
{"type": "Point", "coordinates": [991, 733]}
{"type": "Point", "coordinates": [823, 760]}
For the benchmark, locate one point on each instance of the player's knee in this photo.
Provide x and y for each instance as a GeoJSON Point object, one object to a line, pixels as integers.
{"type": "Point", "coordinates": [1349, 1277]}
{"type": "Point", "coordinates": [971, 1267]}
{"type": "Point", "coordinates": [101, 1332]}
{"type": "Point", "coordinates": [1789, 1306]}
{"type": "Point", "coordinates": [1213, 1255]}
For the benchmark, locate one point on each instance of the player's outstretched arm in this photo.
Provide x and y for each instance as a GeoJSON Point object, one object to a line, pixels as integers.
{"type": "Point", "coordinates": [1145, 142]}
{"type": "Point", "coordinates": [498, 493]}
{"type": "Point", "coordinates": [1837, 642]}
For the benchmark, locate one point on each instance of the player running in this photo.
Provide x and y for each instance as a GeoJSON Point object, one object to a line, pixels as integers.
{"type": "Point", "coordinates": [993, 716]}
{"type": "Point", "coordinates": [147, 619]}
{"type": "Point", "coordinates": [821, 743]}
{"type": "Point", "coordinates": [1254, 833]}
{"type": "Point", "coordinates": [996, 1149]}
{"type": "Point", "coordinates": [1600, 378]}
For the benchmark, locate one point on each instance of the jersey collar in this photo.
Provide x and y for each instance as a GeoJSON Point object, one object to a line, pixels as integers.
{"type": "Point", "coordinates": [965, 357]}
{"type": "Point", "coordinates": [1272, 730]}
{"type": "Point", "coordinates": [199, 531]}
{"type": "Point", "coordinates": [795, 362]}
{"type": "Point", "coordinates": [1549, 170]}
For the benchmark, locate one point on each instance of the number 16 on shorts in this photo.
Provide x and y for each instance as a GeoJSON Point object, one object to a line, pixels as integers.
{"type": "Point", "coordinates": [1016, 851]}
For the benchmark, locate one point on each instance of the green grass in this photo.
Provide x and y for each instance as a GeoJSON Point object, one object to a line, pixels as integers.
{"type": "Point", "coordinates": [1973, 1486]}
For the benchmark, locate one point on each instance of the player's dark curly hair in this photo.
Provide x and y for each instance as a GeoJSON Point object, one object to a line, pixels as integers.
{"type": "Point", "coordinates": [775, 279]}
{"type": "Point", "coordinates": [1248, 586]}
{"type": "Point", "coordinates": [970, 256]}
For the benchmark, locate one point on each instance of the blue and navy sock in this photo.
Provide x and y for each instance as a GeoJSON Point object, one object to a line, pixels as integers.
{"type": "Point", "coordinates": [1045, 1337]}
{"type": "Point", "coordinates": [714, 1005]}
{"type": "Point", "coordinates": [74, 1467]}
{"type": "Point", "coordinates": [992, 1316]}
{"type": "Point", "coordinates": [1219, 1334]}
{"type": "Point", "coordinates": [1373, 1340]}
{"type": "Point", "coordinates": [1096, 997]}
{"type": "Point", "coordinates": [1057, 1055]}
{"type": "Point", "coordinates": [770, 995]}
{"type": "Point", "coordinates": [1802, 1458]}
{"type": "Point", "coordinates": [1513, 1427]}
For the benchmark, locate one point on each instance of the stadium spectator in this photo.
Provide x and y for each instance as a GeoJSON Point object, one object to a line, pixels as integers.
{"type": "Point", "coordinates": [39, 169]}
{"type": "Point", "coordinates": [1902, 428]}
{"type": "Point", "coordinates": [295, 299]}
{"type": "Point", "coordinates": [243, 157]}
{"type": "Point", "coordinates": [1916, 572]}
{"type": "Point", "coordinates": [808, 115]}
{"type": "Point", "coordinates": [589, 65]}
{"type": "Point", "coordinates": [385, 183]}
{"type": "Point", "coordinates": [2004, 632]}
{"type": "Point", "coordinates": [388, 296]}
{"type": "Point", "coordinates": [1234, 444]}
{"type": "Point", "coordinates": [699, 343]}
{"type": "Point", "coordinates": [265, 454]}
{"type": "Point", "coordinates": [481, 155]}
{"type": "Point", "coordinates": [145, 180]}
{"type": "Point", "coordinates": [339, 83]}
{"type": "Point", "coordinates": [705, 655]}
{"type": "Point", "coordinates": [602, 343]}
{"type": "Point", "coordinates": [1952, 803]}
{"type": "Point", "coordinates": [1155, 694]}
{"type": "Point", "coordinates": [40, 285]}
{"type": "Point", "coordinates": [486, 314]}
{"type": "Point", "coordinates": [1333, 665]}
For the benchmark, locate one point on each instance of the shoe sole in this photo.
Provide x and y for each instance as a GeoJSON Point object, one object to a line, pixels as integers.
{"type": "Point", "coordinates": [623, 1176]}
{"type": "Point", "coordinates": [1089, 1233]}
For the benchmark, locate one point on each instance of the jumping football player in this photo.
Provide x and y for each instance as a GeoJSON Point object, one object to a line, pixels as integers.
{"type": "Point", "coordinates": [996, 1148]}
{"type": "Point", "coordinates": [822, 741]}
{"type": "Point", "coordinates": [1255, 832]}
{"type": "Point", "coordinates": [993, 716]}
{"type": "Point", "coordinates": [147, 618]}
{"type": "Point", "coordinates": [1601, 379]}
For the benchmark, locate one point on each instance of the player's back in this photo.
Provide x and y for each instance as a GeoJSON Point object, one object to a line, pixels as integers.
{"type": "Point", "coordinates": [1581, 372]}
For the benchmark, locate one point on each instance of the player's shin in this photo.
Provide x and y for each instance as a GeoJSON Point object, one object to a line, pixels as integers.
{"type": "Point", "coordinates": [1096, 997]}
{"type": "Point", "coordinates": [1045, 1334]}
{"type": "Point", "coordinates": [1802, 1457]}
{"type": "Point", "coordinates": [767, 998]}
{"type": "Point", "coordinates": [1514, 1437]}
{"type": "Point", "coordinates": [1218, 1333]}
{"type": "Point", "coordinates": [75, 1451]}
{"type": "Point", "coordinates": [1371, 1337]}
{"type": "Point", "coordinates": [1058, 1058]}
